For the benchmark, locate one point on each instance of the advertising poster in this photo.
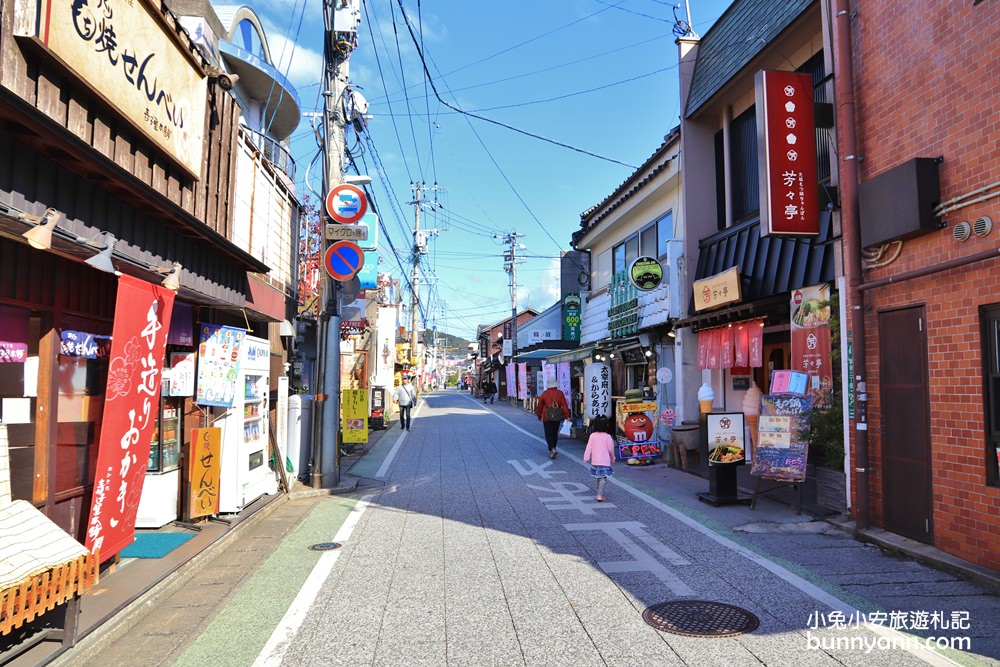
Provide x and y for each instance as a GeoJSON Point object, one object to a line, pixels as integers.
{"type": "Point", "coordinates": [139, 340]}
{"type": "Point", "coordinates": [354, 413]}
{"type": "Point", "coordinates": [204, 470]}
{"type": "Point", "coordinates": [636, 432]}
{"type": "Point", "coordinates": [725, 438]}
{"type": "Point", "coordinates": [810, 308]}
{"type": "Point", "coordinates": [181, 374]}
{"type": "Point", "coordinates": [597, 390]}
{"type": "Point", "coordinates": [218, 365]}
{"type": "Point", "coordinates": [782, 438]}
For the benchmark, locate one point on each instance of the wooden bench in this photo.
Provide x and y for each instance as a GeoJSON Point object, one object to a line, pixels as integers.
{"type": "Point", "coordinates": [41, 567]}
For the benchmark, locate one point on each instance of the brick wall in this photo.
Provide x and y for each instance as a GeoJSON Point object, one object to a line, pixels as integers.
{"type": "Point", "coordinates": [926, 86]}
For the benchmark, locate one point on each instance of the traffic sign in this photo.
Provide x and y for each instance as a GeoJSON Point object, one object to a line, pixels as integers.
{"type": "Point", "coordinates": [346, 203]}
{"type": "Point", "coordinates": [346, 233]}
{"type": "Point", "coordinates": [343, 260]}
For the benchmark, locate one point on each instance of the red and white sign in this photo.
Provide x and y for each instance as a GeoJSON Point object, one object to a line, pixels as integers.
{"type": "Point", "coordinates": [346, 204]}
{"type": "Point", "coordinates": [138, 341]}
{"type": "Point", "coordinates": [786, 132]}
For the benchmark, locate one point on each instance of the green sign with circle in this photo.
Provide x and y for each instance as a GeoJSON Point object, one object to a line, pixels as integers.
{"type": "Point", "coordinates": [645, 273]}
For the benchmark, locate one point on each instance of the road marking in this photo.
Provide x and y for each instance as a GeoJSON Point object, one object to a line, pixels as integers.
{"type": "Point", "coordinates": [284, 634]}
{"type": "Point", "coordinates": [529, 467]}
{"type": "Point", "coordinates": [568, 497]}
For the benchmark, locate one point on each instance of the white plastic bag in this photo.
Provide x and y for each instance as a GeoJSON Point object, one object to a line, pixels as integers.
{"type": "Point", "coordinates": [565, 428]}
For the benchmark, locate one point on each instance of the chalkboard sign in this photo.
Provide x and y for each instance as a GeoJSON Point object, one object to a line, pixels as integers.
{"type": "Point", "coordinates": [782, 444]}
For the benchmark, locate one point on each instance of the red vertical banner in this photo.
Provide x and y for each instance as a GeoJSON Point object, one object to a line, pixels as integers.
{"type": "Point", "coordinates": [755, 332]}
{"type": "Point", "coordinates": [810, 308]}
{"type": "Point", "coordinates": [138, 340]}
{"type": "Point", "coordinates": [714, 347]}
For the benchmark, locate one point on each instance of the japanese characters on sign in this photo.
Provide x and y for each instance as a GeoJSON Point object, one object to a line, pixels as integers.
{"type": "Point", "coordinates": [782, 445]}
{"type": "Point", "coordinates": [139, 339]}
{"type": "Point", "coordinates": [636, 426]}
{"type": "Point", "coordinates": [218, 365]}
{"type": "Point", "coordinates": [725, 438]}
{"type": "Point", "coordinates": [571, 317]}
{"type": "Point", "coordinates": [786, 128]}
{"type": "Point", "coordinates": [811, 347]}
{"type": "Point", "coordinates": [204, 471]}
{"type": "Point", "coordinates": [718, 290]}
{"type": "Point", "coordinates": [354, 408]}
{"type": "Point", "coordinates": [597, 385]}
{"type": "Point", "coordinates": [623, 315]}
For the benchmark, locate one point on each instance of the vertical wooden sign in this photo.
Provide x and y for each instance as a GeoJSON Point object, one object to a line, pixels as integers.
{"type": "Point", "coordinates": [204, 471]}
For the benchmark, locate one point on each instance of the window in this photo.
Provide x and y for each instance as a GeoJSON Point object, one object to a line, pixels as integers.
{"type": "Point", "coordinates": [625, 253]}
{"type": "Point", "coordinates": [664, 234]}
{"type": "Point", "coordinates": [602, 271]}
{"type": "Point", "coordinates": [990, 318]}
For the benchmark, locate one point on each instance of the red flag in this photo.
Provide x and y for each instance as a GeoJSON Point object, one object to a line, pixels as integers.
{"type": "Point", "coordinates": [138, 340]}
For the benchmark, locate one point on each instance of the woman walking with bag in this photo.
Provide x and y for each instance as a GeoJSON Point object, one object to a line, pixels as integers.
{"type": "Point", "coordinates": [551, 410]}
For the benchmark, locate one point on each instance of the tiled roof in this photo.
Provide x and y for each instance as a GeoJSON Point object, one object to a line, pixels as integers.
{"type": "Point", "coordinates": [740, 34]}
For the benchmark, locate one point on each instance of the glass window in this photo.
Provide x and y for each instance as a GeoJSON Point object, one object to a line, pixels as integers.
{"type": "Point", "coordinates": [618, 259]}
{"type": "Point", "coordinates": [602, 271]}
{"type": "Point", "coordinates": [647, 241]}
{"type": "Point", "coordinates": [631, 251]}
{"type": "Point", "coordinates": [18, 398]}
{"type": "Point", "coordinates": [664, 233]}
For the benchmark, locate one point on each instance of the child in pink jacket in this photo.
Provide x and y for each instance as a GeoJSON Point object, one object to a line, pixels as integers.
{"type": "Point", "coordinates": [600, 453]}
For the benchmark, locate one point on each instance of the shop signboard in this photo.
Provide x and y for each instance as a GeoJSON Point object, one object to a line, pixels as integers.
{"type": "Point", "coordinates": [354, 408]}
{"type": "Point", "coordinates": [204, 472]}
{"type": "Point", "coordinates": [786, 134]}
{"type": "Point", "coordinates": [218, 365]}
{"type": "Point", "coordinates": [636, 430]}
{"type": "Point", "coordinates": [571, 317]}
{"type": "Point", "coordinates": [717, 290]}
{"type": "Point", "coordinates": [782, 447]}
{"type": "Point", "coordinates": [726, 445]}
{"type": "Point", "coordinates": [138, 343]}
{"type": "Point", "coordinates": [597, 388]}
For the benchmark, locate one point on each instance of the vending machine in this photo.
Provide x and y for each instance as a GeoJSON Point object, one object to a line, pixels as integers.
{"type": "Point", "coordinates": [246, 472]}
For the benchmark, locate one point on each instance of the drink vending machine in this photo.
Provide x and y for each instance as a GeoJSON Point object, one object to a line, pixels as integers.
{"type": "Point", "coordinates": [246, 472]}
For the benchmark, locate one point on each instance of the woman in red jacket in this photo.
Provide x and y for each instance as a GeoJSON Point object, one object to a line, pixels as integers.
{"type": "Point", "coordinates": [551, 410]}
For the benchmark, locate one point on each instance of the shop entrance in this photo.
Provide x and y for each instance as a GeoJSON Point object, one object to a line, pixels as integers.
{"type": "Point", "coordinates": [906, 443]}
{"type": "Point", "coordinates": [777, 356]}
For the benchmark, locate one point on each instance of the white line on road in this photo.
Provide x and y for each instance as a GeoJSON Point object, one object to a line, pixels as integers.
{"type": "Point", "coordinates": [384, 468]}
{"type": "Point", "coordinates": [274, 650]}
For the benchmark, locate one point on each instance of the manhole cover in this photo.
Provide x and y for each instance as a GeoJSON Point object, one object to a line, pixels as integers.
{"type": "Point", "coordinates": [325, 546]}
{"type": "Point", "coordinates": [700, 618]}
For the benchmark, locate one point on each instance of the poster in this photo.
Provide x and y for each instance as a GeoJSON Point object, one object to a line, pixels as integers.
{"type": "Point", "coordinates": [139, 340]}
{"type": "Point", "coordinates": [636, 432]}
{"type": "Point", "coordinates": [811, 347]}
{"type": "Point", "coordinates": [354, 413]}
{"type": "Point", "coordinates": [782, 438]}
{"type": "Point", "coordinates": [204, 471]}
{"type": "Point", "coordinates": [218, 365]}
{"type": "Point", "coordinates": [726, 445]}
{"type": "Point", "coordinates": [181, 374]}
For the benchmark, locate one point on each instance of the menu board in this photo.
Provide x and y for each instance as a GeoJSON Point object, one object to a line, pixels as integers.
{"type": "Point", "coordinates": [725, 438]}
{"type": "Point", "coordinates": [782, 438]}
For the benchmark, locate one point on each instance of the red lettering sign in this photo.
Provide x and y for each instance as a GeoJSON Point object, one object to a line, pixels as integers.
{"type": "Point", "coordinates": [138, 340]}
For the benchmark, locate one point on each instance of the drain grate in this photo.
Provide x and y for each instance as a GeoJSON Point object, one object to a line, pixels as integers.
{"type": "Point", "coordinates": [700, 618]}
{"type": "Point", "coordinates": [325, 546]}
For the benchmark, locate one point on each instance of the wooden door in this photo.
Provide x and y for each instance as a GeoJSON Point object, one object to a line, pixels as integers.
{"type": "Point", "coordinates": [905, 424]}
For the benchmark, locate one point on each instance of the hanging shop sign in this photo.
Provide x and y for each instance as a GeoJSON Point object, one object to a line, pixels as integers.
{"type": "Point", "coordinates": [786, 128]}
{"type": "Point", "coordinates": [571, 317]}
{"type": "Point", "coordinates": [346, 203]}
{"type": "Point", "coordinates": [343, 260]}
{"type": "Point", "coordinates": [646, 273]}
{"type": "Point", "coordinates": [85, 345]}
{"type": "Point", "coordinates": [623, 315]}
{"type": "Point", "coordinates": [717, 290]}
{"type": "Point", "coordinates": [139, 340]}
{"type": "Point", "coordinates": [128, 54]}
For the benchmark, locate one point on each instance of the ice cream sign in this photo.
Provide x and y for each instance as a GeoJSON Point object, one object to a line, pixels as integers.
{"type": "Point", "coordinates": [786, 127]}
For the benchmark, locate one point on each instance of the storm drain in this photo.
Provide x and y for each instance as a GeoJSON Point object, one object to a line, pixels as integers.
{"type": "Point", "coordinates": [700, 618]}
{"type": "Point", "coordinates": [324, 546]}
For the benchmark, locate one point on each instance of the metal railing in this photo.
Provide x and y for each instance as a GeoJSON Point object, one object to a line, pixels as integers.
{"type": "Point", "coordinates": [273, 152]}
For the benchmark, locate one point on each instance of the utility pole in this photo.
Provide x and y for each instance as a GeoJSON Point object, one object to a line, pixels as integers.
{"type": "Point", "coordinates": [415, 276]}
{"type": "Point", "coordinates": [510, 266]}
{"type": "Point", "coordinates": [340, 23]}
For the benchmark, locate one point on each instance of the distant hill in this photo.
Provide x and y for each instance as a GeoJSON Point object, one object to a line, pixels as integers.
{"type": "Point", "coordinates": [448, 343]}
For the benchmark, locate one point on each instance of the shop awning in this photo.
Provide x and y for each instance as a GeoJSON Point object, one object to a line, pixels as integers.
{"type": "Point", "coordinates": [578, 354]}
{"type": "Point", "coordinates": [537, 354]}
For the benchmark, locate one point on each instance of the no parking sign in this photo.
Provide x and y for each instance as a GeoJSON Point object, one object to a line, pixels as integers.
{"type": "Point", "coordinates": [343, 260]}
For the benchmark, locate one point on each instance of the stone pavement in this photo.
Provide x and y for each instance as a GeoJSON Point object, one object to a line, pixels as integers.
{"type": "Point", "coordinates": [464, 545]}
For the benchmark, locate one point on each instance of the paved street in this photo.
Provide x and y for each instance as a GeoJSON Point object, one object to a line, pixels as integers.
{"type": "Point", "coordinates": [465, 545]}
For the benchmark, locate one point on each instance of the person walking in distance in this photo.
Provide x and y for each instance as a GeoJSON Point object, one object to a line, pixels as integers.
{"type": "Point", "coordinates": [405, 397]}
{"type": "Point", "coordinates": [600, 453]}
{"type": "Point", "coordinates": [491, 389]}
{"type": "Point", "coordinates": [551, 409]}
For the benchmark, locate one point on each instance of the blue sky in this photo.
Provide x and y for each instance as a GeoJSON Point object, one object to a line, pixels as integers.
{"type": "Point", "coordinates": [598, 76]}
